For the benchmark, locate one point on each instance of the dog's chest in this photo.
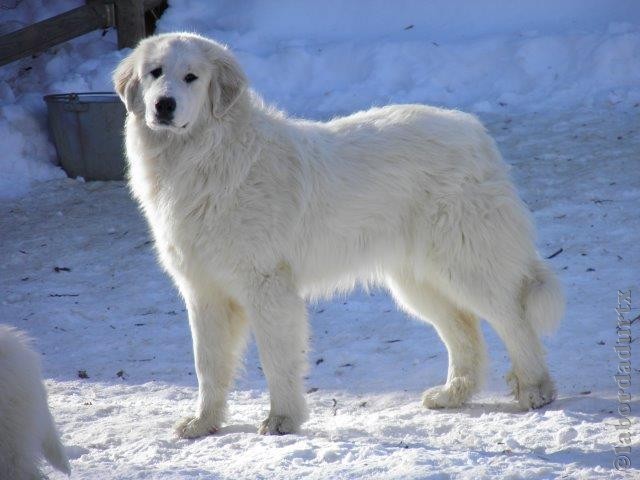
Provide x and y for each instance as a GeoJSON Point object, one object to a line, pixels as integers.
{"type": "Point", "coordinates": [194, 229]}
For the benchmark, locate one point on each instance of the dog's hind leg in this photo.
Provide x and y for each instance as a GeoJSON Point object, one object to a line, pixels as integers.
{"type": "Point", "coordinates": [218, 327]}
{"type": "Point", "coordinates": [530, 380]}
{"type": "Point", "coordinates": [513, 307]}
{"type": "Point", "coordinates": [458, 329]}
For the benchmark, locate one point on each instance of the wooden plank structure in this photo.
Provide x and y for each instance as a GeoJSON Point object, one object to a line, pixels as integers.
{"type": "Point", "coordinates": [130, 23]}
{"type": "Point", "coordinates": [127, 16]}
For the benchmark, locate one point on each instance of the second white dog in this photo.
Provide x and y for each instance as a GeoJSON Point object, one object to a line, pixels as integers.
{"type": "Point", "coordinates": [27, 431]}
{"type": "Point", "coordinates": [253, 211]}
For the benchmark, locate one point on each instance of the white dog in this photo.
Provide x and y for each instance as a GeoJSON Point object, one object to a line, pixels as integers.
{"type": "Point", "coordinates": [27, 431]}
{"type": "Point", "coordinates": [253, 211]}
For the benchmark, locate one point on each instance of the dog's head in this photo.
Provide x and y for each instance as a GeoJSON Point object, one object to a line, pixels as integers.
{"type": "Point", "coordinates": [173, 80]}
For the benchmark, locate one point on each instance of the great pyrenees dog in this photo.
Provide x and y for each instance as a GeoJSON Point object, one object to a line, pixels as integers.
{"type": "Point", "coordinates": [253, 211]}
{"type": "Point", "coordinates": [27, 431]}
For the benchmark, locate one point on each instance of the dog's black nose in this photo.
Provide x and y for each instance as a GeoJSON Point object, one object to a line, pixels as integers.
{"type": "Point", "coordinates": [165, 106]}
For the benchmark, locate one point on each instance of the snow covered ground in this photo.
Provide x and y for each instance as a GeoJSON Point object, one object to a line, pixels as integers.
{"type": "Point", "coordinates": [114, 315]}
{"type": "Point", "coordinates": [557, 83]}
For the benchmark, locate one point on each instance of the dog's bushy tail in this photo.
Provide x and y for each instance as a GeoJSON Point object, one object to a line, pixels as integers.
{"type": "Point", "coordinates": [543, 299]}
{"type": "Point", "coordinates": [53, 450]}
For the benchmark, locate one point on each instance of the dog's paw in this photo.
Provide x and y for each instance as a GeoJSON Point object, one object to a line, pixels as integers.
{"type": "Point", "coordinates": [194, 427]}
{"type": "Point", "coordinates": [450, 395]}
{"type": "Point", "coordinates": [278, 425]}
{"type": "Point", "coordinates": [532, 396]}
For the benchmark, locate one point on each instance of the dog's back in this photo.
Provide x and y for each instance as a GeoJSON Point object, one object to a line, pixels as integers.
{"type": "Point", "coordinates": [26, 427]}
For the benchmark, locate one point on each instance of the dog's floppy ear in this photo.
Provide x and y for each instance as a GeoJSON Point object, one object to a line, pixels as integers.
{"type": "Point", "coordinates": [126, 82]}
{"type": "Point", "coordinates": [227, 83]}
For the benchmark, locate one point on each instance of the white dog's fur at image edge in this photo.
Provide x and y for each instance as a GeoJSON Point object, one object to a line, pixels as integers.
{"type": "Point", "coordinates": [27, 431]}
{"type": "Point", "coordinates": [253, 212]}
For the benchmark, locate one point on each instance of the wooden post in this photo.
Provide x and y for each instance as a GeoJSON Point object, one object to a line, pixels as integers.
{"type": "Point", "coordinates": [129, 22]}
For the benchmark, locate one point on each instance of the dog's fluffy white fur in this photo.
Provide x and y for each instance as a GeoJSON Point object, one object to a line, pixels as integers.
{"type": "Point", "coordinates": [27, 431]}
{"type": "Point", "coordinates": [253, 211]}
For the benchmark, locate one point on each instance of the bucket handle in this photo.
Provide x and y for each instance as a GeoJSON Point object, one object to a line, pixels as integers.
{"type": "Point", "coordinates": [75, 105]}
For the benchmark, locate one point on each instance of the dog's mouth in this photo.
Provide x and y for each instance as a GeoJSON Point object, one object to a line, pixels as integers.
{"type": "Point", "coordinates": [164, 124]}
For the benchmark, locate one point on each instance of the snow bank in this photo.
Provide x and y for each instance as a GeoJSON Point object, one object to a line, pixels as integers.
{"type": "Point", "coordinates": [320, 59]}
{"type": "Point", "coordinates": [325, 58]}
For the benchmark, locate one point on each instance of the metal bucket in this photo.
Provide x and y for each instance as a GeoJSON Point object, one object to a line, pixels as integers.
{"type": "Point", "coordinates": [88, 130]}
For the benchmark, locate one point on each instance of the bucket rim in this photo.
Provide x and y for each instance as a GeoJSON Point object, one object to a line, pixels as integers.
{"type": "Point", "coordinates": [87, 97]}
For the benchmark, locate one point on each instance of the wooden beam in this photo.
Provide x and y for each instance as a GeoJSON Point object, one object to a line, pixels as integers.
{"type": "Point", "coordinates": [42, 35]}
{"type": "Point", "coordinates": [129, 22]}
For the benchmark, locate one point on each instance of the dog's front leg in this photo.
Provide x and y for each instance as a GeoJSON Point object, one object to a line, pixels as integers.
{"type": "Point", "coordinates": [218, 327]}
{"type": "Point", "coordinates": [279, 320]}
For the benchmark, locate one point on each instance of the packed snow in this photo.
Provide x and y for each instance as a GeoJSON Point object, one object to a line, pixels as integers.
{"type": "Point", "coordinates": [558, 84]}
{"type": "Point", "coordinates": [78, 273]}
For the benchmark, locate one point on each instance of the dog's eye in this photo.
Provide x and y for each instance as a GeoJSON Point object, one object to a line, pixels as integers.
{"type": "Point", "coordinates": [156, 72]}
{"type": "Point", "coordinates": [190, 77]}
